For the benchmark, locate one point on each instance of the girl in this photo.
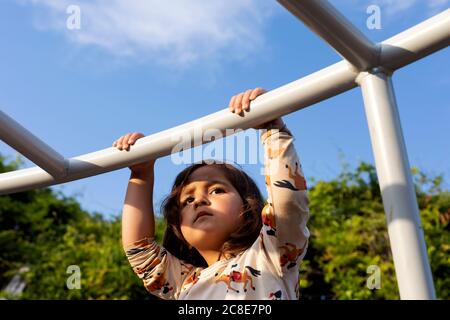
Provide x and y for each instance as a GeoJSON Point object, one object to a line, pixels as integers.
{"type": "Point", "coordinates": [222, 240]}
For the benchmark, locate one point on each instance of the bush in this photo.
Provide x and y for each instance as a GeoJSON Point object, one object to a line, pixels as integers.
{"type": "Point", "coordinates": [349, 234]}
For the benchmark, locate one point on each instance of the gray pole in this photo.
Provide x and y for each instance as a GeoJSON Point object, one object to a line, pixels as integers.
{"type": "Point", "coordinates": [397, 189]}
{"type": "Point", "coordinates": [329, 24]}
{"type": "Point", "coordinates": [32, 147]}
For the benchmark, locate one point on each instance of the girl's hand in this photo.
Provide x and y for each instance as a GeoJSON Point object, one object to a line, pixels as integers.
{"type": "Point", "coordinates": [124, 143]}
{"type": "Point", "coordinates": [241, 102]}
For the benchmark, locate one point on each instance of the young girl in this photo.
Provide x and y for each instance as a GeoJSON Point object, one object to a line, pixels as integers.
{"type": "Point", "coordinates": [222, 240]}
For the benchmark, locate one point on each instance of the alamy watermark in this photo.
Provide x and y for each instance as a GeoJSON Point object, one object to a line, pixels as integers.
{"type": "Point", "coordinates": [240, 147]}
{"type": "Point", "coordinates": [374, 20]}
{"type": "Point", "coordinates": [73, 21]}
{"type": "Point", "coordinates": [73, 281]}
{"type": "Point", "coordinates": [374, 281]}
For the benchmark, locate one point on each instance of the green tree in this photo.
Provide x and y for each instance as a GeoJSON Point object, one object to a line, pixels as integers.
{"type": "Point", "coordinates": [48, 232]}
{"type": "Point", "coordinates": [349, 233]}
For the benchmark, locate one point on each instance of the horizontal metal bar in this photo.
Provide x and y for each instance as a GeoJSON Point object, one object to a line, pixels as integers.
{"type": "Point", "coordinates": [417, 42]}
{"type": "Point", "coordinates": [286, 99]}
{"type": "Point", "coordinates": [37, 151]}
{"type": "Point", "coordinates": [299, 94]}
{"type": "Point", "coordinates": [329, 24]}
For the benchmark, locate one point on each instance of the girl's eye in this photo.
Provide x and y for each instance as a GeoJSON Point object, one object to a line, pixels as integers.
{"type": "Point", "coordinates": [187, 201]}
{"type": "Point", "coordinates": [218, 189]}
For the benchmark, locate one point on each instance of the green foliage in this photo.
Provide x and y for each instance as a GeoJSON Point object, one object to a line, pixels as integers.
{"type": "Point", "coordinates": [48, 232]}
{"type": "Point", "coordinates": [349, 234]}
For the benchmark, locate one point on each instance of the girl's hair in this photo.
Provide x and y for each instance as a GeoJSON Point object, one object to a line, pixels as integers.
{"type": "Point", "coordinates": [238, 241]}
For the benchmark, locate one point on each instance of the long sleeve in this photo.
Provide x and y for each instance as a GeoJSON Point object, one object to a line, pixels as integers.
{"type": "Point", "coordinates": [284, 233]}
{"type": "Point", "coordinates": [162, 273]}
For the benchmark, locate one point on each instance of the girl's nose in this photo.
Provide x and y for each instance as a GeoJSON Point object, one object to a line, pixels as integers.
{"type": "Point", "coordinates": [201, 201]}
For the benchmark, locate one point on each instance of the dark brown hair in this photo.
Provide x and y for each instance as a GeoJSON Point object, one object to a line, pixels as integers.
{"type": "Point", "coordinates": [240, 240]}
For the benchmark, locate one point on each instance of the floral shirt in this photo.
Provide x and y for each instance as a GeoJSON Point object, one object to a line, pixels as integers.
{"type": "Point", "coordinates": [269, 269]}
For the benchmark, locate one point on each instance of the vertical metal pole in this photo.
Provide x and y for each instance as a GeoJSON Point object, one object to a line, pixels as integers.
{"type": "Point", "coordinates": [399, 199]}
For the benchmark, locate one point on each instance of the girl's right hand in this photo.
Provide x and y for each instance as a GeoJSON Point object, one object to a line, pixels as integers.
{"type": "Point", "coordinates": [124, 143]}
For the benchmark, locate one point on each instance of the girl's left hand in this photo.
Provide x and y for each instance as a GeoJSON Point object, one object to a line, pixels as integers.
{"type": "Point", "coordinates": [241, 102]}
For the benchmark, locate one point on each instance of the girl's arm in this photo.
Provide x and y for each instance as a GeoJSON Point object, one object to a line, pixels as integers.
{"type": "Point", "coordinates": [138, 220]}
{"type": "Point", "coordinates": [285, 216]}
{"type": "Point", "coordinates": [162, 274]}
{"type": "Point", "coordinates": [284, 233]}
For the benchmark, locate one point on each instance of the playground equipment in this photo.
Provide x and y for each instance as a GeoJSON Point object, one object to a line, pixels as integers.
{"type": "Point", "coordinates": [367, 64]}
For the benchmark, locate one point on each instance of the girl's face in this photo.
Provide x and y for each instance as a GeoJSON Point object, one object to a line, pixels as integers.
{"type": "Point", "coordinates": [210, 209]}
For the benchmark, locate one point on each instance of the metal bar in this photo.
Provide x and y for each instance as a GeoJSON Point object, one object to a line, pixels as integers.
{"type": "Point", "coordinates": [329, 24]}
{"type": "Point", "coordinates": [299, 94]}
{"type": "Point", "coordinates": [417, 42]}
{"type": "Point", "coordinates": [31, 146]}
{"type": "Point", "coordinates": [397, 188]}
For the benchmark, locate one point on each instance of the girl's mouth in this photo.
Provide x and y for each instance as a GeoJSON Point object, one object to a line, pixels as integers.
{"type": "Point", "coordinates": [202, 214]}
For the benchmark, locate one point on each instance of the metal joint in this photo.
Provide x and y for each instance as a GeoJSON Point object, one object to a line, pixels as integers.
{"type": "Point", "coordinates": [379, 70]}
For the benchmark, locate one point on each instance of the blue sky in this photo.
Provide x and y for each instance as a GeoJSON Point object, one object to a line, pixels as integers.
{"type": "Point", "coordinates": [150, 65]}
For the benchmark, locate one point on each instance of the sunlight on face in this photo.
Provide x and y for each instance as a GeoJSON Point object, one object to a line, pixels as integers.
{"type": "Point", "coordinates": [208, 190]}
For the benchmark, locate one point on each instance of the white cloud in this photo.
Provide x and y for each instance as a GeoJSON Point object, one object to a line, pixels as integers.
{"type": "Point", "coordinates": [175, 32]}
